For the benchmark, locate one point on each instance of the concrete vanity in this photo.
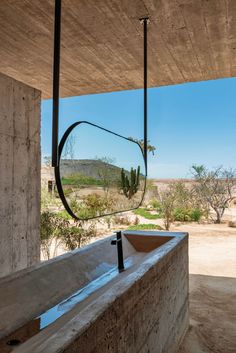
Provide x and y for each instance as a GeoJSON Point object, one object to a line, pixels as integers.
{"type": "Point", "coordinates": [79, 302]}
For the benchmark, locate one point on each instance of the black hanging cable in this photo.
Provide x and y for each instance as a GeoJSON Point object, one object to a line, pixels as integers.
{"type": "Point", "coordinates": [56, 82]}
{"type": "Point", "coordinates": [56, 148]}
{"type": "Point", "coordinates": [144, 22]}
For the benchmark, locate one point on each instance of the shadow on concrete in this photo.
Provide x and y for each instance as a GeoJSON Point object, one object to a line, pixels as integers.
{"type": "Point", "coordinates": [212, 315]}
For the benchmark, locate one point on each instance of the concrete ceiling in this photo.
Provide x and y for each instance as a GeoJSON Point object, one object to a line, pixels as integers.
{"type": "Point", "coordinates": [189, 40]}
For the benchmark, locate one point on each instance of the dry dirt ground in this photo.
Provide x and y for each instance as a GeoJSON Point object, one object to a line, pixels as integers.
{"type": "Point", "coordinates": [212, 266]}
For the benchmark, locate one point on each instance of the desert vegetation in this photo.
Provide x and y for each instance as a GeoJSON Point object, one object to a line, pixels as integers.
{"type": "Point", "coordinates": [214, 189]}
{"type": "Point", "coordinates": [203, 199]}
{"type": "Point", "coordinates": [206, 198]}
{"type": "Point", "coordinates": [97, 187]}
{"type": "Point", "coordinates": [60, 231]}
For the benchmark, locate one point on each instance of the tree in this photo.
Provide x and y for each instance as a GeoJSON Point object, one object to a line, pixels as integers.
{"type": "Point", "coordinates": [104, 172]}
{"type": "Point", "coordinates": [178, 203]}
{"type": "Point", "coordinates": [166, 199]}
{"type": "Point", "coordinates": [69, 147]}
{"type": "Point", "coordinates": [150, 148]}
{"type": "Point", "coordinates": [187, 206]}
{"type": "Point", "coordinates": [51, 230]}
{"type": "Point", "coordinates": [57, 230]}
{"type": "Point", "coordinates": [75, 236]}
{"type": "Point", "coordinates": [214, 188]}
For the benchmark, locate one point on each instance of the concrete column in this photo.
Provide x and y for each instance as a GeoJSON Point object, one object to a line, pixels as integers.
{"type": "Point", "coordinates": [19, 175]}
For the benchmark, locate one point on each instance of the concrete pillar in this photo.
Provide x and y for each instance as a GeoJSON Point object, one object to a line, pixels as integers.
{"type": "Point", "coordinates": [19, 175]}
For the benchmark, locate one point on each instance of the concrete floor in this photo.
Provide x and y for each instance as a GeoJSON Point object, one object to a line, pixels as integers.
{"type": "Point", "coordinates": [212, 290]}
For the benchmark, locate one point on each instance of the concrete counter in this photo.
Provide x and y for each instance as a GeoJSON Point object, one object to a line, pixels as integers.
{"type": "Point", "coordinates": [143, 309]}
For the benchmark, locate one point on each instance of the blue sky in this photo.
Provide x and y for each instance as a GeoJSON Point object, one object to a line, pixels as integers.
{"type": "Point", "coordinates": [193, 123]}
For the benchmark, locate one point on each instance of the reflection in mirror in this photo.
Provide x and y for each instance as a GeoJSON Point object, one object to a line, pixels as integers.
{"type": "Point", "coordinates": [99, 172]}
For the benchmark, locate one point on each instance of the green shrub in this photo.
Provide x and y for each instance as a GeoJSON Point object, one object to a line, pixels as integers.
{"type": "Point", "coordinates": [59, 228]}
{"type": "Point", "coordinates": [181, 215]}
{"type": "Point", "coordinates": [187, 215]}
{"type": "Point", "coordinates": [64, 215]}
{"type": "Point", "coordinates": [80, 180]}
{"type": "Point", "coordinates": [92, 205]}
{"type": "Point", "coordinates": [85, 213]}
{"type": "Point", "coordinates": [196, 214]}
{"type": "Point", "coordinates": [146, 214]}
{"type": "Point", "coordinates": [148, 226]}
{"type": "Point", "coordinates": [155, 203]}
{"type": "Point", "coordinates": [76, 236]}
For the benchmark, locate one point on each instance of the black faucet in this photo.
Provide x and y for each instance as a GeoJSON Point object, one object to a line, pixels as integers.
{"type": "Point", "coordinates": [118, 242]}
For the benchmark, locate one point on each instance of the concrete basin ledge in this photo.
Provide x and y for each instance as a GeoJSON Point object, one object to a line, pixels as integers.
{"type": "Point", "coordinates": [143, 309]}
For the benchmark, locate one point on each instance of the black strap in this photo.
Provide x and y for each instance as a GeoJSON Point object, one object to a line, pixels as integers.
{"type": "Point", "coordinates": [56, 82]}
{"type": "Point", "coordinates": [144, 21]}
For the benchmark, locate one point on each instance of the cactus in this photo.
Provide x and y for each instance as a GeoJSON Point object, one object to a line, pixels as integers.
{"type": "Point", "coordinates": [130, 186]}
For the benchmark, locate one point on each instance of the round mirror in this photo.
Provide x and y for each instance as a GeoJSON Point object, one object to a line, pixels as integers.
{"type": "Point", "coordinates": [99, 172]}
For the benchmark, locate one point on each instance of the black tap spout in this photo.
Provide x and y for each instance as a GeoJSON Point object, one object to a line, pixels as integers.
{"type": "Point", "coordinates": [118, 243]}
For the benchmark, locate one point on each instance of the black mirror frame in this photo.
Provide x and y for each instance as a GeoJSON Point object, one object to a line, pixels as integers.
{"type": "Point", "coordinates": [58, 177]}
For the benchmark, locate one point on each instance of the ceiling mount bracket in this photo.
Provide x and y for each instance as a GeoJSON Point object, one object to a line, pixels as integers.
{"type": "Point", "coordinates": [143, 19]}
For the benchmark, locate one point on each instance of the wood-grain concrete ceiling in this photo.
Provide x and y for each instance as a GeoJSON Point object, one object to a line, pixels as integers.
{"type": "Point", "coordinates": [189, 40]}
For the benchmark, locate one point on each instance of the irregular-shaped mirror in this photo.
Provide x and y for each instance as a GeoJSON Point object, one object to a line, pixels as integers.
{"type": "Point", "coordinates": [99, 172]}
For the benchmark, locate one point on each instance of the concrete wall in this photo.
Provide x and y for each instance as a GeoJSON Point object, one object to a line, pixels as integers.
{"type": "Point", "coordinates": [19, 175]}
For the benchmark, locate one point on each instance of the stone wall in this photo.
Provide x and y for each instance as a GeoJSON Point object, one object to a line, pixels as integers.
{"type": "Point", "coordinates": [19, 175]}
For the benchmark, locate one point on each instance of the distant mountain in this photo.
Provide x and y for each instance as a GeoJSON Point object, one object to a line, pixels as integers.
{"type": "Point", "coordinates": [92, 168]}
{"type": "Point", "coordinates": [89, 167]}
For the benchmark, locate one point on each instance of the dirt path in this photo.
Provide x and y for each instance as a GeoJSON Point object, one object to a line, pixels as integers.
{"type": "Point", "coordinates": [212, 257]}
